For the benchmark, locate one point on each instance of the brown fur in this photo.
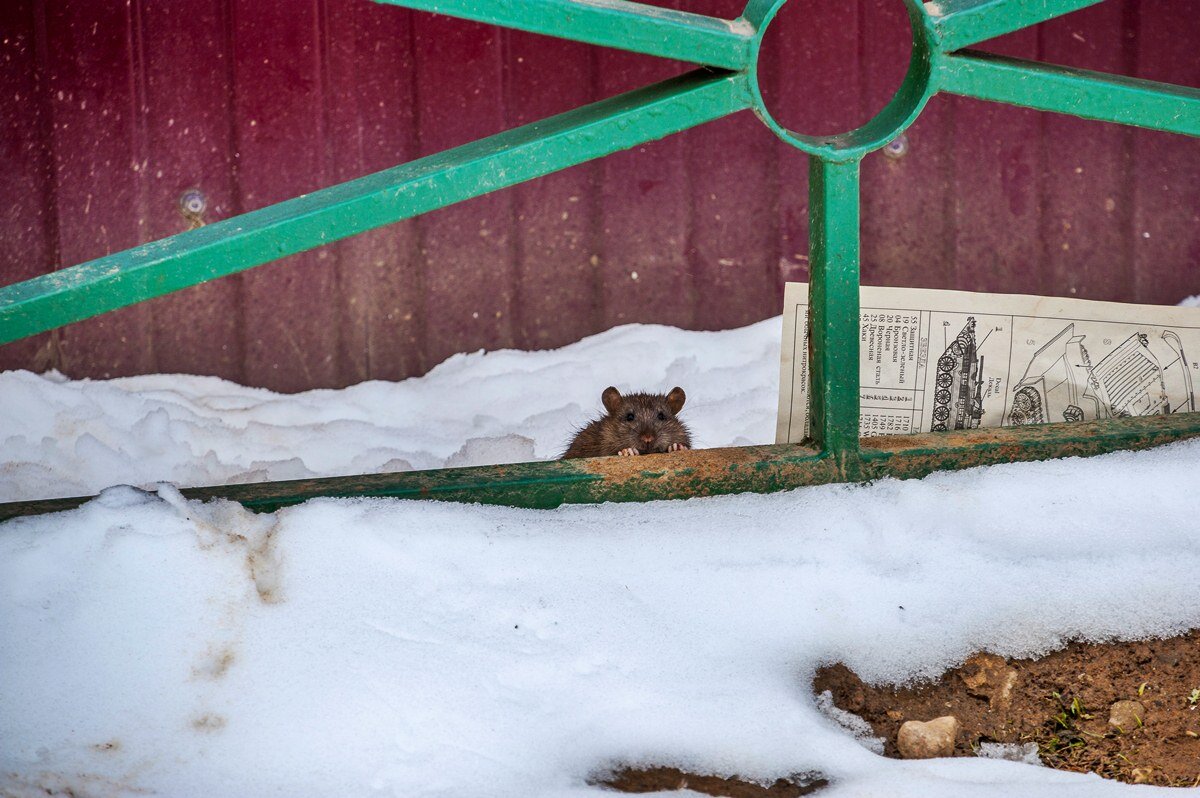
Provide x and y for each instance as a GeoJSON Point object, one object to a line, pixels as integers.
{"type": "Point", "coordinates": [647, 433]}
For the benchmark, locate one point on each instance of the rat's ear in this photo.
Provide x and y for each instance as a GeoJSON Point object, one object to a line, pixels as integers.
{"type": "Point", "coordinates": [675, 399]}
{"type": "Point", "coordinates": [611, 399]}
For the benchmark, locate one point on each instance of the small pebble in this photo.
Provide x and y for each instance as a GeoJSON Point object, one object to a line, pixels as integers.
{"type": "Point", "coordinates": [1126, 715]}
{"type": "Point", "coordinates": [989, 676]}
{"type": "Point", "coordinates": [926, 740]}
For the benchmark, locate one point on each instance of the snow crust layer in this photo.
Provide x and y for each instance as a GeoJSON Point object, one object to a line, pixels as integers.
{"type": "Point", "coordinates": [149, 644]}
{"type": "Point", "coordinates": [72, 438]}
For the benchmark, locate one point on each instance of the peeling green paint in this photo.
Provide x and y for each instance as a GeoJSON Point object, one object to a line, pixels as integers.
{"type": "Point", "coordinates": [705, 472]}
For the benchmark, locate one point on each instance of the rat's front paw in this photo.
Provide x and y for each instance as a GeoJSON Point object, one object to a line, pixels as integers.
{"type": "Point", "coordinates": [627, 452]}
{"type": "Point", "coordinates": [676, 447]}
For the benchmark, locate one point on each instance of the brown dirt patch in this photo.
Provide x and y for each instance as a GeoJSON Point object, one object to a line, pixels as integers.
{"type": "Point", "coordinates": [1062, 703]}
{"type": "Point", "coordinates": [666, 779]}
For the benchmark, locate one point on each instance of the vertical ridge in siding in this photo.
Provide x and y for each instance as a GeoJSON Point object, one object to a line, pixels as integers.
{"type": "Point", "coordinates": [27, 221]}
{"type": "Point", "coordinates": [553, 215]}
{"type": "Point", "coordinates": [1166, 169]}
{"type": "Point", "coordinates": [468, 269]}
{"type": "Point", "coordinates": [291, 319]}
{"type": "Point", "coordinates": [646, 214]}
{"type": "Point", "coordinates": [1086, 243]}
{"type": "Point", "coordinates": [997, 169]}
{"type": "Point", "coordinates": [370, 128]}
{"type": "Point", "coordinates": [97, 173]}
{"type": "Point", "coordinates": [817, 89]}
{"type": "Point", "coordinates": [904, 225]}
{"type": "Point", "coordinates": [186, 132]}
{"type": "Point", "coordinates": [733, 231]}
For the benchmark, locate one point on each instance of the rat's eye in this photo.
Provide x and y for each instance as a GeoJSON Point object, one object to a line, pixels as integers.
{"type": "Point", "coordinates": [629, 416]}
{"type": "Point", "coordinates": [662, 416]}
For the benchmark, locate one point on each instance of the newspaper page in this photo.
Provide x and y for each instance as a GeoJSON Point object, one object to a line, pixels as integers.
{"type": "Point", "coordinates": [944, 360]}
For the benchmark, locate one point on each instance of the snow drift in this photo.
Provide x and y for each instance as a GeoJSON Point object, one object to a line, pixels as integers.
{"type": "Point", "coordinates": [149, 644]}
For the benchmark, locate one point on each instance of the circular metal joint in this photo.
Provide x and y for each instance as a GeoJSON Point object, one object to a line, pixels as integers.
{"type": "Point", "coordinates": [897, 148]}
{"type": "Point", "coordinates": [889, 124]}
{"type": "Point", "coordinates": [193, 203]}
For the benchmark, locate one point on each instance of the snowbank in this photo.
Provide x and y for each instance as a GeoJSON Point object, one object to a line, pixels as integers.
{"type": "Point", "coordinates": [373, 647]}
{"type": "Point", "coordinates": [72, 438]}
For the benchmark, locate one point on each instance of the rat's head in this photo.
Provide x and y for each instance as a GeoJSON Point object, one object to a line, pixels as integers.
{"type": "Point", "coordinates": [645, 421]}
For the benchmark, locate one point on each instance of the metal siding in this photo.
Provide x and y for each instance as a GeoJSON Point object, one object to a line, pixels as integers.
{"type": "Point", "coordinates": [734, 238]}
{"type": "Point", "coordinates": [188, 146]}
{"type": "Point", "coordinates": [1084, 221]}
{"type": "Point", "coordinates": [280, 101]}
{"type": "Point", "coordinates": [99, 149]}
{"type": "Point", "coordinates": [555, 234]}
{"type": "Point", "coordinates": [906, 224]}
{"type": "Point", "coordinates": [28, 229]}
{"type": "Point", "coordinates": [815, 87]}
{"type": "Point", "coordinates": [467, 248]}
{"type": "Point", "coordinates": [112, 110]}
{"type": "Point", "coordinates": [1165, 234]}
{"type": "Point", "coordinates": [372, 126]}
{"type": "Point", "coordinates": [996, 175]}
{"type": "Point", "coordinates": [645, 212]}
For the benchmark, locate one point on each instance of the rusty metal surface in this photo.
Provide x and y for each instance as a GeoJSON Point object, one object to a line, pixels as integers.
{"type": "Point", "coordinates": [190, 104]}
{"type": "Point", "coordinates": [751, 469]}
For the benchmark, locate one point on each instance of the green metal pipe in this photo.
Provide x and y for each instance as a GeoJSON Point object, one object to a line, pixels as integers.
{"type": "Point", "coordinates": [961, 23]}
{"type": "Point", "coordinates": [703, 472]}
{"type": "Point", "coordinates": [833, 208]}
{"type": "Point", "coordinates": [625, 25]}
{"type": "Point", "coordinates": [240, 243]}
{"type": "Point", "coordinates": [900, 112]}
{"type": "Point", "coordinates": [1078, 92]}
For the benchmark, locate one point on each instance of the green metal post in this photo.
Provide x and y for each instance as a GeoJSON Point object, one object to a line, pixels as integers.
{"type": "Point", "coordinates": [833, 191]}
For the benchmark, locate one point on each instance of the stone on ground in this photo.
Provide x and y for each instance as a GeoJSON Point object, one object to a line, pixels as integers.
{"type": "Point", "coordinates": [926, 740]}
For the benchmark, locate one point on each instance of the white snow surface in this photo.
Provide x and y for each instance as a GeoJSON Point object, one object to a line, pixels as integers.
{"type": "Point", "coordinates": [71, 438]}
{"type": "Point", "coordinates": [149, 644]}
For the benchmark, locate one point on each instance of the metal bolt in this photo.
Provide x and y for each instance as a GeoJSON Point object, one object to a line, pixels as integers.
{"type": "Point", "coordinates": [897, 147]}
{"type": "Point", "coordinates": [193, 203]}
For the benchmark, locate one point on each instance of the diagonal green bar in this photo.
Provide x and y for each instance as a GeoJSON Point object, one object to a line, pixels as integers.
{"type": "Point", "coordinates": [330, 214]}
{"type": "Point", "coordinates": [1079, 92]}
{"type": "Point", "coordinates": [833, 207]}
{"type": "Point", "coordinates": [631, 26]}
{"type": "Point", "coordinates": [960, 23]}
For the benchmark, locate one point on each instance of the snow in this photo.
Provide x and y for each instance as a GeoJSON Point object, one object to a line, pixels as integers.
{"type": "Point", "coordinates": [64, 438]}
{"type": "Point", "coordinates": [400, 648]}
{"type": "Point", "coordinates": [1015, 752]}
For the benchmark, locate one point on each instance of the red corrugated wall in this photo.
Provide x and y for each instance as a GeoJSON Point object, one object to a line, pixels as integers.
{"type": "Point", "coordinates": [110, 110]}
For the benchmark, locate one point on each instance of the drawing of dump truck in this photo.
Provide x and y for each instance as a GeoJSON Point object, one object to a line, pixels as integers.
{"type": "Point", "coordinates": [1142, 376]}
{"type": "Point", "coordinates": [957, 395]}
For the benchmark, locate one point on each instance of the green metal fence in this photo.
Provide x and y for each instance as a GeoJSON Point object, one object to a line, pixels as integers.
{"type": "Point", "coordinates": [725, 82]}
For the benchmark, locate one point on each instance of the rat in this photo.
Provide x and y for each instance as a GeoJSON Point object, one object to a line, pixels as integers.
{"type": "Point", "coordinates": [636, 423]}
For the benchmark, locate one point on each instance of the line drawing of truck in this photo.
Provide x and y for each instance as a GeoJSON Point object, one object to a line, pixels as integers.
{"type": "Point", "coordinates": [1141, 376]}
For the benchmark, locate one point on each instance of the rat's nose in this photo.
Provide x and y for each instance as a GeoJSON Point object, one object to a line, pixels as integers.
{"type": "Point", "coordinates": [647, 437]}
